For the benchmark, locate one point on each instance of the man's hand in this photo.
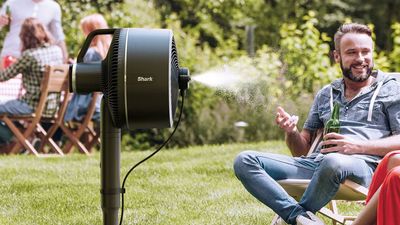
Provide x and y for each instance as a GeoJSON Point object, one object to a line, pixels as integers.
{"type": "Point", "coordinates": [285, 121]}
{"type": "Point", "coordinates": [4, 20]}
{"type": "Point", "coordinates": [342, 144]}
{"type": "Point", "coordinates": [298, 142]}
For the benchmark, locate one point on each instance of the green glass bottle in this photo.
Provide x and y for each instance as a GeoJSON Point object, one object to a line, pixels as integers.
{"type": "Point", "coordinates": [333, 124]}
{"type": "Point", "coordinates": [8, 14]}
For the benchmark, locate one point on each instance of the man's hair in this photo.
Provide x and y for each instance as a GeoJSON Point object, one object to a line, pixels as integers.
{"type": "Point", "coordinates": [33, 34]}
{"type": "Point", "coordinates": [355, 28]}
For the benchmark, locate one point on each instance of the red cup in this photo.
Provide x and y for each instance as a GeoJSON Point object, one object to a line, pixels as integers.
{"type": "Point", "coordinates": [8, 61]}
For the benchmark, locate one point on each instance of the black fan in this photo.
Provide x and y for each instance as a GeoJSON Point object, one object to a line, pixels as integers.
{"type": "Point", "coordinates": [140, 79]}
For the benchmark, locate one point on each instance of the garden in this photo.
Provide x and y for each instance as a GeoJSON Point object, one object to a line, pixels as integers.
{"type": "Point", "coordinates": [279, 54]}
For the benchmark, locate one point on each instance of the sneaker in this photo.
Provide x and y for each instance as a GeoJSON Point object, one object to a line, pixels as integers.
{"type": "Point", "coordinates": [279, 221]}
{"type": "Point", "coordinates": [310, 220]}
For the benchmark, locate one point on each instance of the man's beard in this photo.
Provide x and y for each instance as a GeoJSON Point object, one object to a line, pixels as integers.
{"type": "Point", "coordinates": [347, 73]}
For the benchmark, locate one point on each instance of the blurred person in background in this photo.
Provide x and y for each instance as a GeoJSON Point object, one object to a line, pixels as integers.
{"type": "Point", "coordinates": [97, 51]}
{"type": "Point", "coordinates": [38, 51]}
{"type": "Point", "coordinates": [12, 15]}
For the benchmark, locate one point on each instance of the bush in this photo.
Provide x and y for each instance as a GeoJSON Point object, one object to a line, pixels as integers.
{"type": "Point", "coordinates": [273, 77]}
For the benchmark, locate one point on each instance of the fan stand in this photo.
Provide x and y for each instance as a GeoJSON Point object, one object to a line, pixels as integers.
{"type": "Point", "coordinates": [110, 167]}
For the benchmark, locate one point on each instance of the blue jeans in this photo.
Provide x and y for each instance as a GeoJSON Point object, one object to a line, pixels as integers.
{"type": "Point", "coordinates": [12, 107]}
{"type": "Point", "coordinates": [259, 172]}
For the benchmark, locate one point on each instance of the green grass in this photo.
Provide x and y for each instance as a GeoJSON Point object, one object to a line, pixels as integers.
{"type": "Point", "coordinates": [194, 185]}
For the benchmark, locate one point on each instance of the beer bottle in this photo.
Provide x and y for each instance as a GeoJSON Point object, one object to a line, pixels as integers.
{"type": "Point", "coordinates": [333, 124]}
{"type": "Point", "coordinates": [8, 14]}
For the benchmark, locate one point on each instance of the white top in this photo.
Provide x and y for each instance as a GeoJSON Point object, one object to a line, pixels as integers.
{"type": "Point", "coordinates": [47, 12]}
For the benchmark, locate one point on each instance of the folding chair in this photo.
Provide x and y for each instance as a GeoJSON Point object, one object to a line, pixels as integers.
{"type": "Point", "coordinates": [348, 190]}
{"type": "Point", "coordinates": [57, 83]}
{"type": "Point", "coordinates": [76, 130]}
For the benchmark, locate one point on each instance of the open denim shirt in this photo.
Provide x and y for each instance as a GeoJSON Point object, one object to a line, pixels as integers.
{"type": "Point", "coordinates": [373, 114]}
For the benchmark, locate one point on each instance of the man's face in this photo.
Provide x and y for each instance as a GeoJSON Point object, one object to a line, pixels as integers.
{"type": "Point", "coordinates": [355, 56]}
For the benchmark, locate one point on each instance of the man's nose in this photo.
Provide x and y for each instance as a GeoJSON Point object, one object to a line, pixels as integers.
{"type": "Point", "coordinates": [360, 57]}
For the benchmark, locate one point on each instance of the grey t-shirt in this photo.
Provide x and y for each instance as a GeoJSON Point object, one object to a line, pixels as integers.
{"type": "Point", "coordinates": [384, 112]}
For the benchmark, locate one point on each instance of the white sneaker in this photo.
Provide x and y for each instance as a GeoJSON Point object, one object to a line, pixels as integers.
{"type": "Point", "coordinates": [280, 221]}
{"type": "Point", "coordinates": [313, 220]}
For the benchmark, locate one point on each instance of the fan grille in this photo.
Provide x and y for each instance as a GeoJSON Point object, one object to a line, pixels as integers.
{"type": "Point", "coordinates": [111, 90]}
{"type": "Point", "coordinates": [174, 77]}
{"type": "Point", "coordinates": [174, 55]}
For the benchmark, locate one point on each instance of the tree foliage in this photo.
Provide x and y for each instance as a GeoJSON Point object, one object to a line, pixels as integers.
{"type": "Point", "coordinates": [293, 44]}
{"type": "Point", "coordinates": [306, 56]}
{"type": "Point", "coordinates": [292, 61]}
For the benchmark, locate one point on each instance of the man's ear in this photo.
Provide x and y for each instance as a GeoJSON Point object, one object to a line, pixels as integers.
{"type": "Point", "coordinates": [336, 56]}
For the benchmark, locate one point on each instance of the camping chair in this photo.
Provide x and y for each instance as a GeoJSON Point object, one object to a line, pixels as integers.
{"type": "Point", "coordinates": [58, 75]}
{"type": "Point", "coordinates": [58, 83]}
{"type": "Point", "coordinates": [348, 190]}
{"type": "Point", "coordinates": [77, 130]}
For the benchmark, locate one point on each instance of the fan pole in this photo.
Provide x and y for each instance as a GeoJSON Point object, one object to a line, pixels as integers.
{"type": "Point", "coordinates": [110, 167]}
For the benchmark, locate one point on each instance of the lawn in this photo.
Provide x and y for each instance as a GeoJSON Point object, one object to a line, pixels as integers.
{"type": "Point", "coordinates": [193, 185]}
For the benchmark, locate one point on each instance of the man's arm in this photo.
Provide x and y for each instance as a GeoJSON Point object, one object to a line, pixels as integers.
{"type": "Point", "coordinates": [298, 142]}
{"type": "Point", "coordinates": [346, 145]}
{"type": "Point", "coordinates": [55, 28]}
{"type": "Point", "coordinates": [63, 47]}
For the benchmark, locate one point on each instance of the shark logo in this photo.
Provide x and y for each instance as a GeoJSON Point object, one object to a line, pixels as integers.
{"type": "Point", "coordinates": [145, 79]}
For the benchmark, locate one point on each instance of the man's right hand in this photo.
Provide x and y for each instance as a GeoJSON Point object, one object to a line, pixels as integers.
{"type": "Point", "coordinates": [298, 142]}
{"type": "Point", "coordinates": [285, 121]}
{"type": "Point", "coordinates": [4, 20]}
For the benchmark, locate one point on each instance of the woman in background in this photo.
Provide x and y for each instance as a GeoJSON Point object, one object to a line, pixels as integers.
{"type": "Point", "coordinates": [97, 51]}
{"type": "Point", "coordinates": [38, 51]}
{"type": "Point", "coordinates": [384, 194]}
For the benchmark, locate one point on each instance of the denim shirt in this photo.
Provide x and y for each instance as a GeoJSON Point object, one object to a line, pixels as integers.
{"type": "Point", "coordinates": [383, 110]}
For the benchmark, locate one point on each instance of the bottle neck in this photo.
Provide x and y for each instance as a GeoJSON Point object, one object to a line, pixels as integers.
{"type": "Point", "coordinates": [335, 113]}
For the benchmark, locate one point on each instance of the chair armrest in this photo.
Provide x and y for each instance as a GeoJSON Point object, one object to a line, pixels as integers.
{"type": "Point", "coordinates": [353, 185]}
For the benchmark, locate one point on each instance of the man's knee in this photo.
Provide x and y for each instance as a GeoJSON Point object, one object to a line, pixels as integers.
{"type": "Point", "coordinates": [333, 165]}
{"type": "Point", "coordinates": [242, 161]}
